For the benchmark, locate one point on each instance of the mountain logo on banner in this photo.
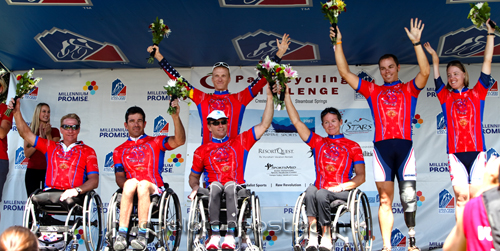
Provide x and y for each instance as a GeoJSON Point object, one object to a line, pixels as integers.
{"type": "Point", "coordinates": [398, 239]}
{"type": "Point", "coordinates": [493, 91]}
{"type": "Point", "coordinates": [364, 76]}
{"type": "Point", "coordinates": [160, 126]}
{"type": "Point", "coordinates": [441, 124]}
{"type": "Point", "coordinates": [284, 125]}
{"type": "Point", "coordinates": [465, 42]}
{"type": "Point", "coordinates": [32, 95]}
{"type": "Point", "coordinates": [51, 2]}
{"type": "Point", "coordinates": [108, 162]}
{"type": "Point", "coordinates": [256, 46]}
{"type": "Point", "coordinates": [66, 46]}
{"type": "Point", "coordinates": [21, 161]}
{"type": "Point", "coordinates": [491, 152]}
{"type": "Point", "coordinates": [264, 3]}
{"type": "Point", "coordinates": [446, 202]}
{"type": "Point", "coordinates": [118, 91]}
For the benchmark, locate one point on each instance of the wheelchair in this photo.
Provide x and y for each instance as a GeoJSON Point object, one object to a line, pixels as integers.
{"type": "Point", "coordinates": [249, 219]}
{"type": "Point", "coordinates": [359, 221]}
{"type": "Point", "coordinates": [164, 221]}
{"type": "Point", "coordinates": [65, 225]}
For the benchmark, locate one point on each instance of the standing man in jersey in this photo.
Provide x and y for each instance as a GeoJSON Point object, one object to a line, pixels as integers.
{"type": "Point", "coordinates": [223, 161]}
{"type": "Point", "coordinates": [138, 166]}
{"type": "Point", "coordinates": [72, 168]}
{"type": "Point", "coordinates": [233, 105]}
{"type": "Point", "coordinates": [393, 107]}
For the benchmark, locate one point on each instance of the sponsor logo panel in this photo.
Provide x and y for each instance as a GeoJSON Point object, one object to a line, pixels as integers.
{"type": "Point", "coordinates": [118, 91]}
{"type": "Point", "coordinates": [160, 126]}
{"type": "Point", "coordinates": [446, 202]}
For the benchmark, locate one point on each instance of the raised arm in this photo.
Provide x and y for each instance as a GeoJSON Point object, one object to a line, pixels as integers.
{"type": "Point", "coordinates": [267, 117]}
{"type": "Point", "coordinates": [283, 46]}
{"type": "Point", "coordinates": [301, 128]}
{"type": "Point", "coordinates": [351, 78]}
{"type": "Point", "coordinates": [488, 51]}
{"type": "Point", "coordinates": [23, 129]}
{"type": "Point", "coordinates": [435, 59]}
{"type": "Point", "coordinates": [167, 68]}
{"type": "Point", "coordinates": [180, 135]}
{"type": "Point", "coordinates": [414, 35]}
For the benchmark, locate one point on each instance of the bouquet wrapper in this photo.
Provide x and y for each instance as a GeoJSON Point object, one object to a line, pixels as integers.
{"type": "Point", "coordinates": [152, 54]}
{"type": "Point", "coordinates": [334, 25]}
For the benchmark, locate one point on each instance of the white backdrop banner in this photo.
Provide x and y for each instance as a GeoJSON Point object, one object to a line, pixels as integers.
{"type": "Point", "coordinates": [279, 165]}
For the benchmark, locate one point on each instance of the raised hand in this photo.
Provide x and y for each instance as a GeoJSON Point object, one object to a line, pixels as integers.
{"type": "Point", "coordinates": [429, 48]}
{"type": "Point", "coordinates": [415, 31]}
{"type": "Point", "coordinates": [283, 46]}
{"type": "Point", "coordinates": [332, 34]}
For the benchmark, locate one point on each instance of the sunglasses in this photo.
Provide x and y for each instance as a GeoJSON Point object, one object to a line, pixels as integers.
{"type": "Point", "coordinates": [68, 127]}
{"type": "Point", "coordinates": [220, 64]}
{"type": "Point", "coordinates": [331, 110]}
{"type": "Point", "coordinates": [222, 122]}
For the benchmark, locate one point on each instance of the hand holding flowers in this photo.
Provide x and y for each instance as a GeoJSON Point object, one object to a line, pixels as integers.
{"type": "Point", "coordinates": [479, 15]}
{"type": "Point", "coordinates": [276, 73]}
{"type": "Point", "coordinates": [159, 31]}
{"type": "Point", "coordinates": [178, 88]}
{"type": "Point", "coordinates": [332, 9]}
{"type": "Point", "coordinates": [25, 84]}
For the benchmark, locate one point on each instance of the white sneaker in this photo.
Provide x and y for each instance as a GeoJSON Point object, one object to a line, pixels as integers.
{"type": "Point", "coordinates": [214, 242]}
{"type": "Point", "coordinates": [326, 244]}
{"type": "Point", "coordinates": [312, 245]}
{"type": "Point", "coordinates": [229, 242]}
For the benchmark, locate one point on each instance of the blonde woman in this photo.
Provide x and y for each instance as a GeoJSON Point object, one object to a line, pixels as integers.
{"type": "Point", "coordinates": [17, 238]}
{"type": "Point", "coordinates": [37, 164]}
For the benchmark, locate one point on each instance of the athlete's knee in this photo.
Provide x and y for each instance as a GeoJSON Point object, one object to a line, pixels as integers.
{"type": "Point", "coordinates": [408, 195]}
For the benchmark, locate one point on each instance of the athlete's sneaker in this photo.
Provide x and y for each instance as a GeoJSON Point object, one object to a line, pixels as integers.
{"type": "Point", "coordinates": [312, 244]}
{"type": "Point", "coordinates": [120, 243]}
{"type": "Point", "coordinates": [139, 243]}
{"type": "Point", "coordinates": [214, 242]}
{"type": "Point", "coordinates": [326, 245]}
{"type": "Point", "coordinates": [229, 242]}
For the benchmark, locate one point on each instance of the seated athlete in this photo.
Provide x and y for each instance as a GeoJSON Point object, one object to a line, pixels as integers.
{"type": "Point", "coordinates": [72, 168]}
{"type": "Point", "coordinates": [138, 166]}
{"type": "Point", "coordinates": [335, 159]}
{"type": "Point", "coordinates": [222, 161]}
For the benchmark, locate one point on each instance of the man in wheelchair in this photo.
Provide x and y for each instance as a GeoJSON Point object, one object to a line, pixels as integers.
{"type": "Point", "coordinates": [335, 158]}
{"type": "Point", "coordinates": [138, 165]}
{"type": "Point", "coordinates": [72, 168]}
{"type": "Point", "coordinates": [222, 161]}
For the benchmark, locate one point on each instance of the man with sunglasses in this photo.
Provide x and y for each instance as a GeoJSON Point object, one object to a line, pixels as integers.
{"type": "Point", "coordinates": [72, 168]}
{"type": "Point", "coordinates": [393, 108]}
{"type": "Point", "coordinates": [223, 161]}
{"type": "Point", "coordinates": [233, 105]}
{"type": "Point", "coordinates": [336, 158]}
{"type": "Point", "coordinates": [138, 166]}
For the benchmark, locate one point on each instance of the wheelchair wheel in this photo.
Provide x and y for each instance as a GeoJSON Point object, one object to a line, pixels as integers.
{"type": "Point", "coordinates": [29, 216]}
{"type": "Point", "coordinates": [195, 230]}
{"type": "Point", "coordinates": [92, 218]}
{"type": "Point", "coordinates": [112, 220]}
{"type": "Point", "coordinates": [299, 224]}
{"type": "Point", "coordinates": [256, 221]}
{"type": "Point", "coordinates": [361, 222]}
{"type": "Point", "coordinates": [170, 221]}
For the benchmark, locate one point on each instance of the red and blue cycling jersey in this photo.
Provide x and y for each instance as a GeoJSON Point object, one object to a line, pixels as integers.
{"type": "Point", "coordinates": [233, 105]}
{"type": "Point", "coordinates": [393, 107]}
{"type": "Point", "coordinates": [334, 159]}
{"type": "Point", "coordinates": [463, 114]}
{"type": "Point", "coordinates": [142, 159]}
{"type": "Point", "coordinates": [67, 169]}
{"type": "Point", "coordinates": [224, 160]}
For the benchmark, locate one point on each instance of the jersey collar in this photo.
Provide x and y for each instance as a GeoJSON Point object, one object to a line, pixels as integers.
{"type": "Point", "coordinates": [68, 148]}
{"type": "Point", "coordinates": [463, 90]}
{"type": "Point", "coordinates": [339, 136]}
{"type": "Point", "coordinates": [221, 92]}
{"type": "Point", "coordinates": [220, 140]}
{"type": "Point", "coordinates": [136, 139]}
{"type": "Point", "coordinates": [393, 83]}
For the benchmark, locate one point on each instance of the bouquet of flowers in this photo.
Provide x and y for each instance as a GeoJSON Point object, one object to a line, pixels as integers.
{"type": "Point", "coordinates": [178, 88]}
{"type": "Point", "coordinates": [159, 30]}
{"type": "Point", "coordinates": [25, 84]}
{"type": "Point", "coordinates": [277, 73]}
{"type": "Point", "coordinates": [332, 9]}
{"type": "Point", "coordinates": [479, 14]}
